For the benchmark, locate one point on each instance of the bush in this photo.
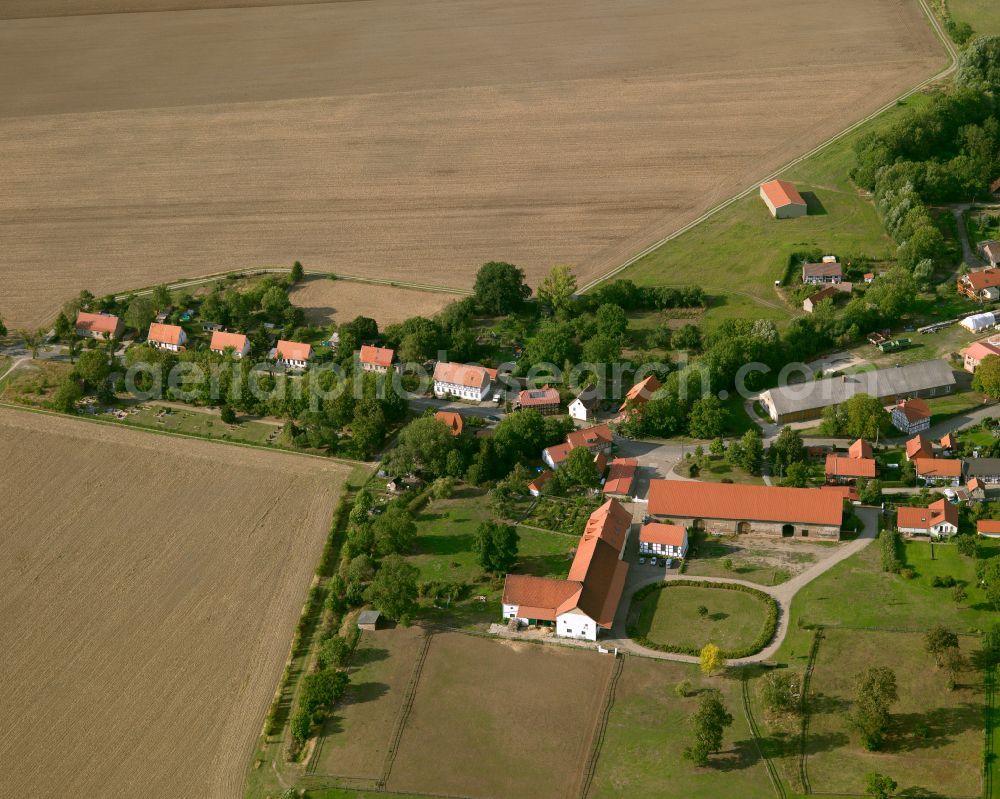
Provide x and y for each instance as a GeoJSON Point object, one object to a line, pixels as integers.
{"type": "Point", "coordinates": [889, 542]}
{"type": "Point", "coordinates": [762, 640]}
{"type": "Point", "coordinates": [946, 581]}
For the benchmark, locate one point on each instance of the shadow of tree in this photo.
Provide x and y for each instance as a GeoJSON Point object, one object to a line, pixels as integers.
{"type": "Point", "coordinates": [933, 729]}
{"type": "Point", "coordinates": [445, 544]}
{"type": "Point", "coordinates": [359, 693]}
{"type": "Point", "coordinates": [365, 655]}
{"type": "Point", "coordinates": [718, 616]}
{"type": "Point", "coordinates": [743, 755]}
{"type": "Point", "coordinates": [825, 742]}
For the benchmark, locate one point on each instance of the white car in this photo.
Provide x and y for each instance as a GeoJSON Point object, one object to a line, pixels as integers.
{"type": "Point", "coordinates": [642, 561]}
{"type": "Point", "coordinates": [652, 561]}
{"type": "Point", "coordinates": [669, 563]}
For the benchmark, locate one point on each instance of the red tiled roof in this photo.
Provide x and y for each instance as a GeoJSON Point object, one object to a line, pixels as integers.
{"type": "Point", "coordinates": [938, 467]}
{"type": "Point", "coordinates": [781, 193]}
{"type": "Point", "coordinates": [539, 482]}
{"type": "Point", "coordinates": [925, 518]}
{"type": "Point", "coordinates": [988, 526]}
{"type": "Point", "coordinates": [986, 279]}
{"type": "Point", "coordinates": [839, 466]}
{"type": "Point", "coordinates": [947, 441]}
{"type": "Point", "coordinates": [542, 596]}
{"type": "Point", "coordinates": [744, 502]}
{"type": "Point", "coordinates": [460, 374]}
{"type": "Point", "coordinates": [221, 341]}
{"type": "Point", "coordinates": [860, 449]}
{"type": "Point", "coordinates": [641, 392]}
{"type": "Point", "coordinates": [590, 436]}
{"type": "Point", "coordinates": [165, 334]}
{"type": "Point", "coordinates": [293, 350]}
{"type": "Point", "coordinates": [96, 322]}
{"type": "Point", "coordinates": [823, 294]}
{"type": "Point", "coordinates": [621, 475]}
{"type": "Point", "coordinates": [667, 534]}
{"type": "Point", "coordinates": [536, 397]}
{"type": "Point", "coordinates": [919, 444]}
{"type": "Point", "coordinates": [846, 492]}
{"type": "Point", "coordinates": [975, 484]}
{"type": "Point", "coordinates": [979, 350]}
{"type": "Point", "coordinates": [610, 523]}
{"type": "Point", "coordinates": [376, 356]}
{"type": "Point", "coordinates": [602, 573]}
{"type": "Point", "coordinates": [453, 420]}
{"type": "Point", "coordinates": [559, 452]}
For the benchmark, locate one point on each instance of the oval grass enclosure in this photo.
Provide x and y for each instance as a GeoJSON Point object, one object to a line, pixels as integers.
{"type": "Point", "coordinates": [740, 620]}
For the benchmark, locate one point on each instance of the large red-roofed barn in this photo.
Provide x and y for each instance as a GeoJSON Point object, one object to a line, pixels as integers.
{"type": "Point", "coordinates": [783, 199]}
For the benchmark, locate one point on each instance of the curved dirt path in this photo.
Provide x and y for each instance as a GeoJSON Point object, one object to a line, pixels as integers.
{"type": "Point", "coordinates": [782, 594]}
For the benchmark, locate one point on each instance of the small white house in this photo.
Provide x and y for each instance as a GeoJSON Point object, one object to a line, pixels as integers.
{"type": "Point", "coordinates": [937, 520]}
{"type": "Point", "coordinates": [584, 407]}
{"type": "Point", "coordinates": [237, 342]}
{"type": "Point", "coordinates": [462, 381]}
{"type": "Point", "coordinates": [166, 337]}
{"type": "Point", "coordinates": [292, 354]}
{"type": "Point", "coordinates": [665, 540]}
{"type": "Point", "coordinates": [375, 359]}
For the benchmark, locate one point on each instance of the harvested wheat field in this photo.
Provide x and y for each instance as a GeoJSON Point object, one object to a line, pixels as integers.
{"type": "Point", "coordinates": [409, 139]}
{"type": "Point", "coordinates": [495, 719]}
{"type": "Point", "coordinates": [325, 301]}
{"type": "Point", "coordinates": [149, 587]}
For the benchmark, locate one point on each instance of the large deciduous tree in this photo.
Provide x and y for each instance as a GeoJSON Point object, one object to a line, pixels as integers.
{"type": "Point", "coordinates": [394, 589]}
{"type": "Point", "coordinates": [500, 287]}
{"type": "Point", "coordinates": [708, 724]}
{"type": "Point", "coordinates": [496, 546]}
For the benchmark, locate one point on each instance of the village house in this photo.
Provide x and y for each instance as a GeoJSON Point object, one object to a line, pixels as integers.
{"type": "Point", "coordinates": [620, 477]}
{"type": "Point", "coordinates": [554, 456]}
{"type": "Point", "coordinates": [641, 393]}
{"type": "Point", "coordinates": [986, 470]}
{"type": "Point", "coordinates": [100, 326]}
{"type": "Point", "coordinates": [237, 342]}
{"type": "Point", "coordinates": [586, 602]}
{"type": "Point", "coordinates": [462, 381]}
{"type": "Point", "coordinates": [584, 408]}
{"type": "Point", "coordinates": [811, 302]}
{"type": "Point", "coordinates": [598, 439]}
{"type": "Point", "coordinates": [939, 471]}
{"type": "Point", "coordinates": [990, 250]}
{"type": "Point", "coordinates": [847, 470]}
{"type": "Point", "coordinates": [544, 400]}
{"type": "Point", "coordinates": [166, 337]}
{"type": "Point", "coordinates": [377, 360]}
{"type": "Point", "coordinates": [976, 489]}
{"type": "Point", "coordinates": [846, 492]}
{"type": "Point", "coordinates": [869, 277]}
{"type": "Point", "coordinates": [938, 520]}
{"type": "Point", "coordinates": [983, 285]}
{"type": "Point", "coordinates": [783, 199]}
{"type": "Point", "coordinates": [728, 508]}
{"type": "Point", "coordinates": [975, 353]}
{"type": "Point", "coordinates": [665, 540]}
{"type": "Point", "coordinates": [537, 486]}
{"type": "Point", "coordinates": [454, 421]}
{"type": "Point", "coordinates": [826, 272]}
{"type": "Point", "coordinates": [911, 416]}
{"type": "Point", "coordinates": [804, 401]}
{"type": "Point", "coordinates": [292, 354]}
{"type": "Point", "coordinates": [919, 447]}
{"type": "Point", "coordinates": [988, 528]}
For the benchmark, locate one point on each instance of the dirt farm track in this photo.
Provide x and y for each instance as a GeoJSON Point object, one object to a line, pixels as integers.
{"type": "Point", "coordinates": [411, 139]}
{"type": "Point", "coordinates": [150, 587]}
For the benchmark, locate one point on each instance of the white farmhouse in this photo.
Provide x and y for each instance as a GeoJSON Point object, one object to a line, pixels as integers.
{"type": "Point", "coordinates": [166, 337]}
{"type": "Point", "coordinates": [237, 342]}
{"type": "Point", "coordinates": [462, 381]}
{"type": "Point", "coordinates": [584, 407]}
{"type": "Point", "coordinates": [292, 354]}
{"type": "Point", "coordinates": [937, 520]}
{"type": "Point", "coordinates": [665, 540]}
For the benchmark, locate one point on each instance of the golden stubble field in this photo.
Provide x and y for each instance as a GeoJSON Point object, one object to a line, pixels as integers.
{"type": "Point", "coordinates": [408, 139]}
{"type": "Point", "coordinates": [150, 587]}
{"type": "Point", "coordinates": [325, 301]}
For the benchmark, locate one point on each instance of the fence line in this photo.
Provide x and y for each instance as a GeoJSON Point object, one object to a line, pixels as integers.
{"type": "Point", "coordinates": [590, 767]}
{"type": "Point", "coordinates": [772, 773]}
{"type": "Point", "coordinates": [804, 710]}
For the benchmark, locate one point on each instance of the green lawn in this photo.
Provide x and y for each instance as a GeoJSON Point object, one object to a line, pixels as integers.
{"type": "Point", "coordinates": [943, 407]}
{"type": "Point", "coordinates": [743, 246]}
{"type": "Point", "coordinates": [204, 422]}
{"type": "Point", "coordinates": [34, 382]}
{"type": "Point", "coordinates": [982, 15]}
{"type": "Point", "coordinates": [716, 470]}
{"type": "Point", "coordinates": [670, 617]}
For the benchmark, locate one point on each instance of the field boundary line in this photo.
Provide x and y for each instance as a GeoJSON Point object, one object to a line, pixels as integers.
{"type": "Point", "coordinates": [952, 53]}
{"type": "Point", "coordinates": [601, 727]}
{"type": "Point", "coordinates": [804, 710]}
{"type": "Point", "coordinates": [175, 434]}
{"type": "Point", "coordinates": [990, 718]}
{"type": "Point", "coordinates": [772, 773]}
{"type": "Point", "coordinates": [404, 712]}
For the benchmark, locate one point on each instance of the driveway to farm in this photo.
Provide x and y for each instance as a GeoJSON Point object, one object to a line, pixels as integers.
{"type": "Point", "coordinates": [783, 594]}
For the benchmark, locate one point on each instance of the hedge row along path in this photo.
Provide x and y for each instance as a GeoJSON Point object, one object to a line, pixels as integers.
{"type": "Point", "coordinates": [782, 594]}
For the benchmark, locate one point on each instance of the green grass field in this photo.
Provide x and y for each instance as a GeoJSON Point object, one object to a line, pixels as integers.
{"type": "Point", "coordinates": [982, 15]}
{"type": "Point", "coordinates": [670, 617]}
{"type": "Point", "coordinates": [34, 382]}
{"type": "Point", "coordinates": [204, 422]}
{"type": "Point", "coordinates": [739, 252]}
{"type": "Point", "coordinates": [716, 470]}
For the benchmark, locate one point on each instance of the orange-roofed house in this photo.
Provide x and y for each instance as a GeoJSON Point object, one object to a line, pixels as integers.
{"type": "Point", "coordinates": [461, 380]}
{"type": "Point", "coordinates": [544, 400]}
{"type": "Point", "coordinates": [166, 337]}
{"type": "Point", "coordinates": [597, 439]}
{"type": "Point", "coordinates": [860, 449]}
{"type": "Point", "coordinates": [783, 199]}
{"type": "Point", "coordinates": [641, 393]}
{"type": "Point", "coordinates": [586, 602]}
{"type": "Point", "coordinates": [728, 508]}
{"type": "Point", "coordinates": [919, 447]}
{"type": "Point", "coordinates": [665, 540]}
{"type": "Point", "coordinates": [453, 420]}
{"type": "Point", "coordinates": [982, 285]}
{"type": "Point", "coordinates": [847, 470]}
{"type": "Point", "coordinates": [536, 486]}
{"type": "Point", "coordinates": [237, 342]}
{"type": "Point", "coordinates": [937, 520]}
{"type": "Point", "coordinates": [620, 477]}
{"type": "Point", "coordinates": [975, 353]}
{"type": "Point", "coordinates": [554, 456]}
{"type": "Point", "coordinates": [990, 528]}
{"type": "Point", "coordinates": [911, 416]}
{"type": "Point", "coordinates": [376, 359]}
{"type": "Point", "coordinates": [948, 442]}
{"type": "Point", "coordinates": [939, 471]}
{"type": "Point", "coordinates": [292, 354]}
{"type": "Point", "coordinates": [101, 326]}
{"type": "Point", "coordinates": [844, 492]}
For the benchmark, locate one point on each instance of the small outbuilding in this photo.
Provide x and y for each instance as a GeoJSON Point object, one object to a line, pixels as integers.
{"type": "Point", "coordinates": [783, 199]}
{"type": "Point", "coordinates": [368, 620]}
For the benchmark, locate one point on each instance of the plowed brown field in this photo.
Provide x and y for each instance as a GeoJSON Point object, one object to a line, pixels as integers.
{"type": "Point", "coordinates": [149, 588]}
{"type": "Point", "coordinates": [409, 139]}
